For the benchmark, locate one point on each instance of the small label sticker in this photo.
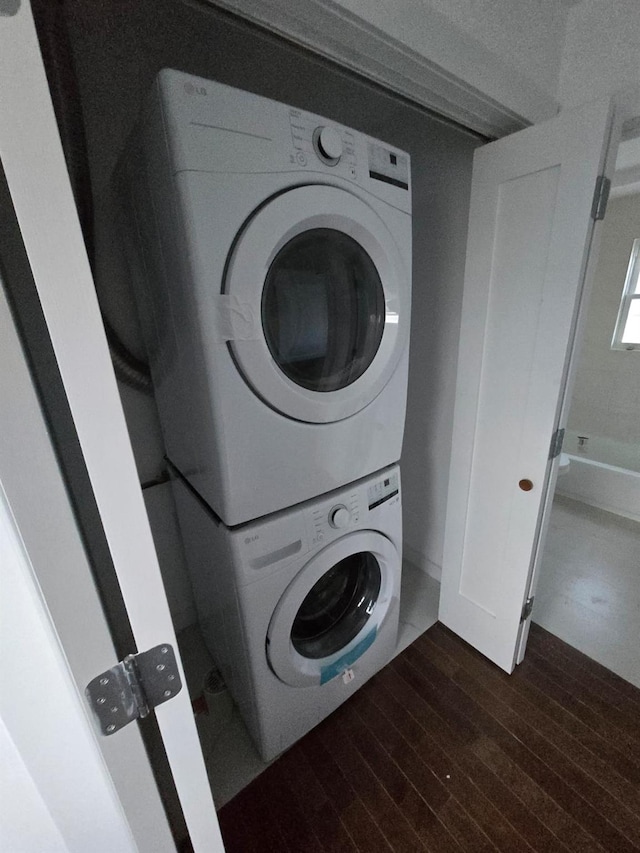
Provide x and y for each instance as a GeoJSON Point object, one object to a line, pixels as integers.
{"type": "Point", "coordinates": [348, 675]}
{"type": "Point", "coordinates": [341, 664]}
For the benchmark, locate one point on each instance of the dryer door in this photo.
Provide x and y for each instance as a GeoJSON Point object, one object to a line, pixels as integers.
{"type": "Point", "coordinates": [334, 608]}
{"type": "Point", "coordinates": [324, 275]}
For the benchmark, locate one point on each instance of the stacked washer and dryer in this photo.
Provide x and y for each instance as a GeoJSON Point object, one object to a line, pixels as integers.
{"type": "Point", "coordinates": [272, 254]}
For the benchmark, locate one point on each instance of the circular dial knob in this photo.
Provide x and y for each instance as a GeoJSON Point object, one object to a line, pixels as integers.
{"type": "Point", "coordinates": [328, 143]}
{"type": "Point", "coordinates": [339, 517]}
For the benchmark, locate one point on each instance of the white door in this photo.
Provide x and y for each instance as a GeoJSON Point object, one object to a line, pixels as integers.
{"type": "Point", "coordinates": [63, 787]}
{"type": "Point", "coordinates": [36, 174]}
{"type": "Point", "coordinates": [531, 230]}
{"type": "Point", "coordinates": [38, 813]}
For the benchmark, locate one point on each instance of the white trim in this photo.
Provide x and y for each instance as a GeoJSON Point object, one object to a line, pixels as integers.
{"type": "Point", "coordinates": [434, 64]}
{"type": "Point", "coordinates": [36, 172]}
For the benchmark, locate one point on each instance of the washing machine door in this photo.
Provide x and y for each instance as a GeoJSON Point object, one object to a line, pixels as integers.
{"type": "Point", "coordinates": [332, 611]}
{"type": "Point", "coordinates": [327, 294]}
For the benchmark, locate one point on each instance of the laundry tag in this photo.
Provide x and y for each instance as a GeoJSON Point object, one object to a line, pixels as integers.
{"type": "Point", "coordinates": [348, 675]}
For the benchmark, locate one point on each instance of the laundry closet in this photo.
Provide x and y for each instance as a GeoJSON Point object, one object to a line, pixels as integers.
{"type": "Point", "coordinates": [116, 67]}
{"type": "Point", "coordinates": [116, 73]}
{"type": "Point", "coordinates": [118, 50]}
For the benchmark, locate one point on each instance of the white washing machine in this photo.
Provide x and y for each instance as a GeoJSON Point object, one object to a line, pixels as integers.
{"type": "Point", "coordinates": [301, 608]}
{"type": "Point", "coordinates": [273, 254]}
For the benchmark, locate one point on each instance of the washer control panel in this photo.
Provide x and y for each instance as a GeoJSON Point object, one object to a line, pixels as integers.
{"type": "Point", "coordinates": [339, 517]}
{"type": "Point", "coordinates": [348, 508]}
{"type": "Point", "coordinates": [338, 513]}
{"type": "Point", "coordinates": [383, 490]}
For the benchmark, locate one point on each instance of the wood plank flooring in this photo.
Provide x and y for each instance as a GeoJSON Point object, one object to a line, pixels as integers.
{"type": "Point", "coordinates": [442, 751]}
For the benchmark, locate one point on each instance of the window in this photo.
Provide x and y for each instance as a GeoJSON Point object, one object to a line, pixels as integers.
{"type": "Point", "coordinates": [627, 332]}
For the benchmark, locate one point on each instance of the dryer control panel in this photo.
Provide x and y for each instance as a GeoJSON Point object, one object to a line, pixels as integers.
{"type": "Point", "coordinates": [201, 125]}
{"type": "Point", "coordinates": [325, 142]}
{"type": "Point", "coordinates": [317, 141]}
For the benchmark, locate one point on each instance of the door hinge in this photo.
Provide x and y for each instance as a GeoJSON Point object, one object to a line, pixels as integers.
{"type": "Point", "coordinates": [132, 688]}
{"type": "Point", "coordinates": [600, 197]}
{"type": "Point", "coordinates": [528, 607]}
{"type": "Point", "coordinates": [557, 440]}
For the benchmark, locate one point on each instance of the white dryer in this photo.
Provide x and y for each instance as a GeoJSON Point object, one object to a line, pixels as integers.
{"type": "Point", "coordinates": [301, 608]}
{"type": "Point", "coordinates": [273, 252]}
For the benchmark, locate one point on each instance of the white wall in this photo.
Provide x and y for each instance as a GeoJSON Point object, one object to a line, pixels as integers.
{"type": "Point", "coordinates": [606, 397]}
{"type": "Point", "coordinates": [602, 50]}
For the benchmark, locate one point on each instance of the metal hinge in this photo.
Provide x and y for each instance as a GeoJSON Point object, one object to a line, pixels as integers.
{"type": "Point", "coordinates": [557, 440]}
{"type": "Point", "coordinates": [132, 688]}
{"type": "Point", "coordinates": [528, 607]}
{"type": "Point", "coordinates": [600, 197]}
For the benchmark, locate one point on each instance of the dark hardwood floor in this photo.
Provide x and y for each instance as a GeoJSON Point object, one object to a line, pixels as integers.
{"type": "Point", "coordinates": [442, 751]}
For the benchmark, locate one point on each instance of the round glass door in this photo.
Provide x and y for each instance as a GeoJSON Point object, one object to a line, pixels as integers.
{"type": "Point", "coordinates": [337, 607]}
{"type": "Point", "coordinates": [324, 297]}
{"type": "Point", "coordinates": [334, 608]}
{"type": "Point", "coordinates": [323, 310]}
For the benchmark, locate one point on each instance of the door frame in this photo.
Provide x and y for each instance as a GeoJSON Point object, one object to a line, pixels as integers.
{"type": "Point", "coordinates": [36, 173]}
{"type": "Point", "coordinates": [420, 54]}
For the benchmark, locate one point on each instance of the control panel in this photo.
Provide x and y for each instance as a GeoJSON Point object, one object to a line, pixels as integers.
{"type": "Point", "coordinates": [382, 490]}
{"type": "Point", "coordinates": [338, 514]}
{"type": "Point", "coordinates": [316, 142]}
{"type": "Point", "coordinates": [339, 517]}
{"type": "Point", "coordinates": [388, 166]}
{"type": "Point", "coordinates": [225, 131]}
{"type": "Point", "coordinates": [347, 509]}
{"type": "Point", "coordinates": [329, 144]}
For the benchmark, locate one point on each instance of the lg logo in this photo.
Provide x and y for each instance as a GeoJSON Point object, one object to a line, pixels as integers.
{"type": "Point", "coordinates": [191, 89]}
{"type": "Point", "coordinates": [248, 539]}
